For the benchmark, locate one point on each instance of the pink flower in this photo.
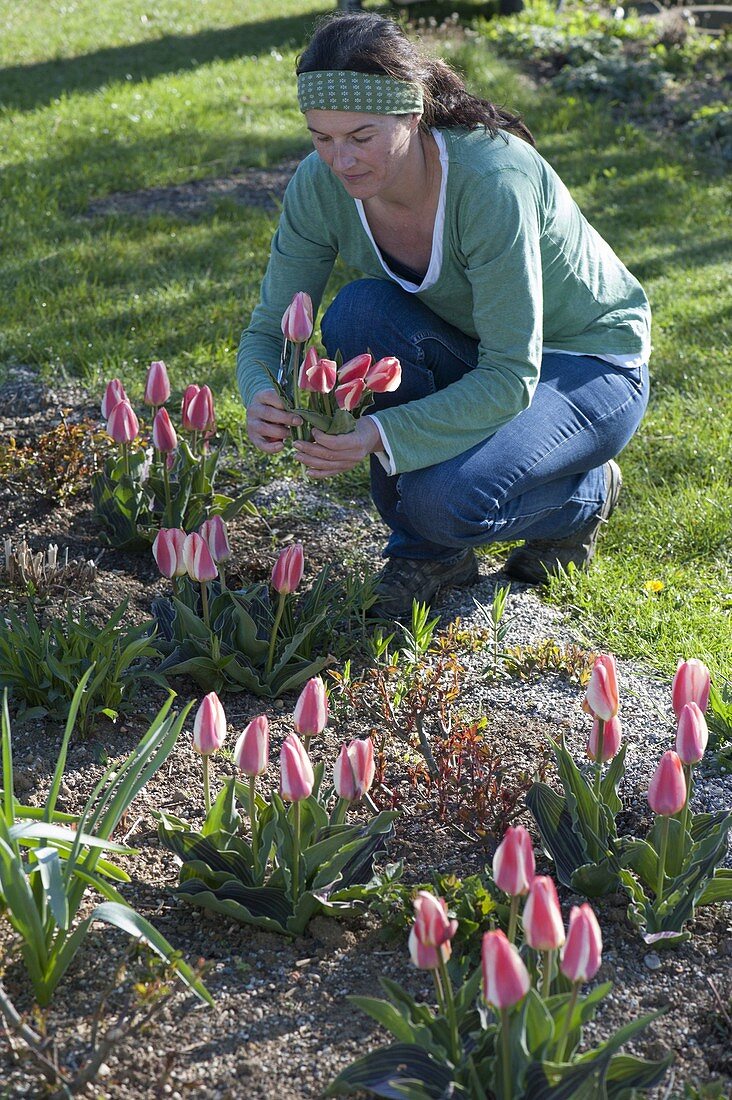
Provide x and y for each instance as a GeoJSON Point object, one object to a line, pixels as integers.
{"type": "Point", "coordinates": [354, 368]}
{"type": "Point", "coordinates": [505, 978]}
{"type": "Point", "coordinates": [354, 769]}
{"type": "Point", "coordinates": [349, 394]}
{"type": "Point", "coordinates": [582, 952]}
{"type": "Point", "coordinates": [296, 771]}
{"type": "Point", "coordinates": [692, 734]}
{"type": "Point", "coordinates": [513, 863]}
{"type": "Point", "coordinates": [385, 376]}
{"type": "Point", "coordinates": [200, 566]}
{"type": "Point", "coordinates": [288, 569]}
{"type": "Point", "coordinates": [114, 393]}
{"type": "Point", "coordinates": [611, 738]}
{"type": "Point", "coordinates": [321, 376]}
{"type": "Point", "coordinates": [601, 698]}
{"type": "Point", "coordinates": [297, 320]}
{"type": "Point", "coordinates": [542, 917]}
{"type": "Point", "coordinates": [667, 789]}
{"type": "Point", "coordinates": [690, 685]}
{"type": "Point", "coordinates": [199, 412]}
{"type": "Point", "coordinates": [213, 532]}
{"type": "Point", "coordinates": [209, 727]}
{"type": "Point", "coordinates": [157, 386]}
{"type": "Point", "coordinates": [123, 425]}
{"type": "Point", "coordinates": [432, 925]}
{"type": "Point", "coordinates": [427, 958]}
{"type": "Point", "coordinates": [251, 754]}
{"type": "Point", "coordinates": [309, 361]}
{"type": "Point", "coordinates": [163, 432]}
{"type": "Point", "coordinates": [188, 395]}
{"type": "Point", "coordinates": [168, 551]}
{"type": "Point", "coordinates": [310, 716]}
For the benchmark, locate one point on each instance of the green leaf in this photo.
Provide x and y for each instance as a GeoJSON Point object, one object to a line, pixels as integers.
{"type": "Point", "coordinates": [49, 868]}
{"type": "Point", "coordinates": [555, 824]}
{"type": "Point", "coordinates": [403, 1070]}
{"type": "Point", "coordinates": [719, 889]}
{"type": "Point", "coordinates": [388, 1016]}
{"type": "Point", "coordinates": [223, 816]}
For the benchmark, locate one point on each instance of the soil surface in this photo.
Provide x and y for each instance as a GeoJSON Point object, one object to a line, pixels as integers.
{"type": "Point", "coordinates": [282, 1025]}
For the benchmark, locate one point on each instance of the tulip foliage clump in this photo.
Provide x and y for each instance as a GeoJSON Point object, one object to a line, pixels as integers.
{"type": "Point", "coordinates": [167, 479]}
{"type": "Point", "coordinates": [677, 866]}
{"type": "Point", "coordinates": [300, 856]}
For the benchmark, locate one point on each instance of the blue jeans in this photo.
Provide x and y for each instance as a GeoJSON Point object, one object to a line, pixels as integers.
{"type": "Point", "coordinates": [540, 476]}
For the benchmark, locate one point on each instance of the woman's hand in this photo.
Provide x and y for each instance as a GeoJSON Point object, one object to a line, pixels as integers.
{"type": "Point", "coordinates": [268, 422]}
{"type": "Point", "coordinates": [334, 454]}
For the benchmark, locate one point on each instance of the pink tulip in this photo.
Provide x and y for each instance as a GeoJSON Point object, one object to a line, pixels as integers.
{"type": "Point", "coordinates": [309, 361]}
{"type": "Point", "coordinates": [123, 425]}
{"type": "Point", "coordinates": [114, 393]}
{"type": "Point", "coordinates": [199, 415]}
{"type": "Point", "coordinates": [157, 386]}
{"type": "Point", "coordinates": [427, 958]}
{"type": "Point", "coordinates": [601, 697]}
{"type": "Point", "coordinates": [513, 863]}
{"type": "Point", "coordinates": [667, 789]}
{"type": "Point", "coordinates": [611, 738]}
{"type": "Point", "coordinates": [297, 320]}
{"type": "Point", "coordinates": [354, 769]}
{"type": "Point", "coordinates": [505, 978]}
{"type": "Point", "coordinates": [690, 685]}
{"type": "Point", "coordinates": [349, 394]}
{"type": "Point", "coordinates": [251, 754]}
{"type": "Point", "coordinates": [432, 925]}
{"type": "Point", "coordinates": [385, 376]}
{"type": "Point", "coordinates": [188, 395]}
{"type": "Point", "coordinates": [296, 771]}
{"type": "Point", "coordinates": [354, 368]}
{"type": "Point", "coordinates": [542, 917]}
{"type": "Point", "coordinates": [288, 569]}
{"type": "Point", "coordinates": [213, 532]}
{"type": "Point", "coordinates": [163, 432]}
{"type": "Point", "coordinates": [582, 952]}
{"type": "Point", "coordinates": [310, 716]}
{"type": "Point", "coordinates": [321, 376]}
{"type": "Point", "coordinates": [200, 566]}
{"type": "Point", "coordinates": [692, 734]}
{"type": "Point", "coordinates": [168, 551]}
{"type": "Point", "coordinates": [209, 727]}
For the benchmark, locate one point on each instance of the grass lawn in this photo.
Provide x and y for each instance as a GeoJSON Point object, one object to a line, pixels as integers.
{"type": "Point", "coordinates": [97, 98]}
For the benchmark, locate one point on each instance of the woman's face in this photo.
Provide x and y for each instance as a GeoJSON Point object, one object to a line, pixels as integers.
{"type": "Point", "coordinates": [367, 153]}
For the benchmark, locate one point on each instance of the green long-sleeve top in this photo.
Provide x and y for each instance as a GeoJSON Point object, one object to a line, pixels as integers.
{"type": "Point", "coordinates": [521, 269]}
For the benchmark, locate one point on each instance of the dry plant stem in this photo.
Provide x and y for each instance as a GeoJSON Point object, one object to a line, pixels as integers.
{"type": "Point", "coordinates": [513, 918]}
{"type": "Point", "coordinates": [662, 859]}
{"type": "Point", "coordinates": [424, 745]}
{"type": "Point", "coordinates": [275, 629]}
{"type": "Point", "coordinates": [506, 1047]}
{"type": "Point", "coordinates": [562, 1041]}
{"type": "Point", "coordinates": [31, 1038]}
{"type": "Point", "coordinates": [253, 825]}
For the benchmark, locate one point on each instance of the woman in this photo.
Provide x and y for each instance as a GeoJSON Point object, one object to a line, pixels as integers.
{"type": "Point", "coordinates": [523, 340]}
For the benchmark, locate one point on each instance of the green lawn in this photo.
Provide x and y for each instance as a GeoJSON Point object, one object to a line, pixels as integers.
{"type": "Point", "coordinates": [98, 98]}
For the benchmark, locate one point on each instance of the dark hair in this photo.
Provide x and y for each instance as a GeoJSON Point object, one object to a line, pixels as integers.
{"type": "Point", "coordinates": [368, 43]}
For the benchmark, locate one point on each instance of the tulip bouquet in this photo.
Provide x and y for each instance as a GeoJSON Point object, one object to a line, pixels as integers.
{"type": "Point", "coordinates": [676, 867]}
{"type": "Point", "coordinates": [300, 856]}
{"type": "Point", "coordinates": [168, 478]}
{"type": "Point", "coordinates": [327, 393]}
{"type": "Point", "coordinates": [503, 1032]}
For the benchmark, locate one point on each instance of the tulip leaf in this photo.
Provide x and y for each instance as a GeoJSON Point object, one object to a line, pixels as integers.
{"type": "Point", "coordinates": [595, 879]}
{"type": "Point", "coordinates": [677, 845]}
{"type": "Point", "coordinates": [641, 858]}
{"type": "Point", "coordinates": [719, 889]}
{"type": "Point", "coordinates": [223, 817]}
{"type": "Point", "coordinates": [559, 838]}
{"type": "Point", "coordinates": [538, 1023]}
{"type": "Point", "coordinates": [611, 781]}
{"type": "Point", "coordinates": [403, 1071]}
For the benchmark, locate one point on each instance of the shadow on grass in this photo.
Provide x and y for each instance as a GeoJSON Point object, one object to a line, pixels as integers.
{"type": "Point", "coordinates": [28, 86]}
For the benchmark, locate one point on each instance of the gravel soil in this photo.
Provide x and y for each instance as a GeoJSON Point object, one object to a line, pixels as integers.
{"type": "Point", "coordinates": [282, 1025]}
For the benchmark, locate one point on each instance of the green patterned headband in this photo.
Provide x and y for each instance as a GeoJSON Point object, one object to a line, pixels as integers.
{"type": "Point", "coordinates": [372, 93]}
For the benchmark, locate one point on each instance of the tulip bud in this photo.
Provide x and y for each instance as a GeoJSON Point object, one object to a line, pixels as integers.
{"type": "Point", "coordinates": [188, 395]}
{"type": "Point", "coordinates": [505, 978]}
{"type": "Point", "coordinates": [349, 394]}
{"type": "Point", "coordinates": [582, 953]}
{"type": "Point", "coordinates": [209, 727]}
{"type": "Point", "coordinates": [288, 569]}
{"type": "Point", "coordinates": [163, 432]}
{"type": "Point", "coordinates": [667, 789]}
{"type": "Point", "coordinates": [542, 917]}
{"type": "Point", "coordinates": [322, 376]}
{"type": "Point", "coordinates": [297, 320]}
{"type": "Point", "coordinates": [354, 368]}
{"type": "Point", "coordinates": [114, 393]}
{"type": "Point", "coordinates": [513, 863]}
{"type": "Point", "coordinates": [692, 734]}
{"type": "Point", "coordinates": [168, 551]}
{"type": "Point", "coordinates": [427, 958]}
{"type": "Point", "coordinates": [354, 769]}
{"type": "Point", "coordinates": [310, 716]}
{"type": "Point", "coordinates": [309, 361]}
{"type": "Point", "coordinates": [123, 425]}
{"type": "Point", "coordinates": [385, 376]}
{"type": "Point", "coordinates": [199, 564]}
{"type": "Point", "coordinates": [251, 754]}
{"type": "Point", "coordinates": [611, 737]}
{"type": "Point", "coordinates": [601, 697]}
{"type": "Point", "coordinates": [157, 386]}
{"type": "Point", "coordinates": [200, 411]}
{"type": "Point", "coordinates": [213, 532]}
{"type": "Point", "coordinates": [690, 685]}
{"type": "Point", "coordinates": [296, 771]}
{"type": "Point", "coordinates": [432, 925]}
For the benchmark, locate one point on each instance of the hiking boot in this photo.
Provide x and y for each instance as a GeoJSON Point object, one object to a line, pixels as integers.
{"type": "Point", "coordinates": [535, 561]}
{"type": "Point", "coordinates": [403, 580]}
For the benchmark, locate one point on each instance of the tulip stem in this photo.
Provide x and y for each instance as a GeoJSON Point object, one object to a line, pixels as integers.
{"type": "Point", "coordinates": [438, 991]}
{"type": "Point", "coordinates": [222, 576]}
{"type": "Point", "coordinates": [478, 1090]}
{"type": "Point", "coordinates": [685, 811]}
{"type": "Point", "coordinates": [204, 605]}
{"type": "Point", "coordinates": [166, 484]}
{"type": "Point", "coordinates": [126, 457]}
{"type": "Point", "coordinates": [449, 1008]}
{"type": "Point", "coordinates": [513, 918]}
{"type": "Point", "coordinates": [506, 1050]}
{"type": "Point", "coordinates": [546, 974]}
{"type": "Point", "coordinates": [206, 786]}
{"type": "Point", "coordinates": [562, 1041]}
{"type": "Point", "coordinates": [662, 860]}
{"type": "Point", "coordinates": [598, 773]}
{"type": "Point", "coordinates": [253, 825]}
{"type": "Point", "coordinates": [296, 854]}
{"type": "Point", "coordinates": [273, 636]}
